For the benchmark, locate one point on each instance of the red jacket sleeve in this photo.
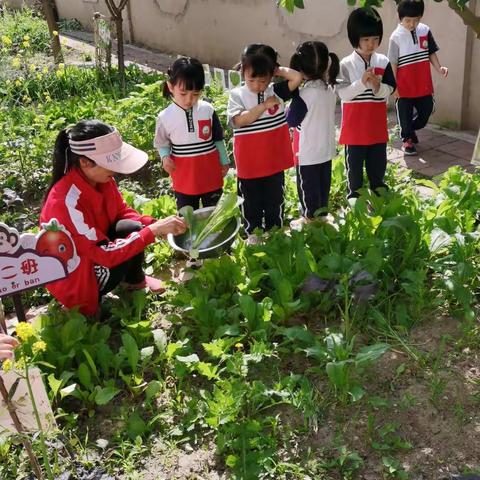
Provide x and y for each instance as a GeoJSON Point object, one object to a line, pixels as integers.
{"type": "Point", "coordinates": [86, 237]}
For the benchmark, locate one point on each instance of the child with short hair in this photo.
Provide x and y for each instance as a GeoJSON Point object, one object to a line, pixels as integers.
{"type": "Point", "coordinates": [189, 138]}
{"type": "Point", "coordinates": [367, 82]}
{"type": "Point", "coordinates": [411, 50]}
{"type": "Point", "coordinates": [312, 115]}
{"type": "Point", "coordinates": [261, 139]}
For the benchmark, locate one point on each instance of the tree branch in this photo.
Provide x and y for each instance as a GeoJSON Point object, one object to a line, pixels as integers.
{"type": "Point", "coordinates": [469, 18]}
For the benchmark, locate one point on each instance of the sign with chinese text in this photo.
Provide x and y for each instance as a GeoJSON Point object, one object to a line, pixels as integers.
{"type": "Point", "coordinates": [28, 260]}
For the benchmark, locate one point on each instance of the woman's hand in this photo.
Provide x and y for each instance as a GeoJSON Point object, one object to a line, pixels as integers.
{"type": "Point", "coordinates": [172, 224]}
{"type": "Point", "coordinates": [168, 164]}
{"type": "Point", "coordinates": [7, 344]}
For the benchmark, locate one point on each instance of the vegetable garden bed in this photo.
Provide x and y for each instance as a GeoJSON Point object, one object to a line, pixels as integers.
{"type": "Point", "coordinates": [339, 352]}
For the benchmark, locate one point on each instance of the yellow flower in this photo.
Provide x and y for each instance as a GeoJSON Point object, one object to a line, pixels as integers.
{"type": "Point", "coordinates": [60, 73]}
{"type": "Point", "coordinates": [55, 33]}
{"type": "Point", "coordinates": [61, 66]}
{"type": "Point", "coordinates": [25, 44]}
{"type": "Point", "coordinates": [18, 82]}
{"type": "Point", "coordinates": [16, 62]}
{"type": "Point", "coordinates": [24, 331]}
{"type": "Point", "coordinates": [26, 38]}
{"type": "Point", "coordinates": [7, 41]}
{"type": "Point", "coordinates": [7, 365]}
{"type": "Point", "coordinates": [39, 346]}
{"type": "Point", "coordinates": [31, 67]}
{"type": "Point", "coordinates": [20, 364]}
{"type": "Point", "coordinates": [239, 346]}
{"type": "Point", "coordinates": [45, 70]}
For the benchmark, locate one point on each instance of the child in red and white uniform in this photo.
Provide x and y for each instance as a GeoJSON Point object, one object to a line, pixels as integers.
{"type": "Point", "coordinates": [367, 82]}
{"type": "Point", "coordinates": [109, 236]}
{"type": "Point", "coordinates": [261, 138]}
{"type": "Point", "coordinates": [312, 114]}
{"type": "Point", "coordinates": [411, 50]}
{"type": "Point", "coordinates": [189, 138]}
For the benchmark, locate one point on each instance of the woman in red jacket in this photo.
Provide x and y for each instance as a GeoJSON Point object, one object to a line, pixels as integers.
{"type": "Point", "coordinates": [109, 238]}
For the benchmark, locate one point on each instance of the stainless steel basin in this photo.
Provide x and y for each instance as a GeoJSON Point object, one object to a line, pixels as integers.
{"type": "Point", "coordinates": [216, 246]}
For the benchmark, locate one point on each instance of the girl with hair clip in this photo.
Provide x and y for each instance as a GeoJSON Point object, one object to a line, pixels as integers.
{"type": "Point", "coordinates": [312, 114]}
{"type": "Point", "coordinates": [367, 83]}
{"type": "Point", "coordinates": [261, 139]}
{"type": "Point", "coordinates": [109, 237]}
{"type": "Point", "coordinates": [189, 138]}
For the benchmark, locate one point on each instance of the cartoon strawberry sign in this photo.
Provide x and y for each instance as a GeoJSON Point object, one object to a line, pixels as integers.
{"type": "Point", "coordinates": [28, 260]}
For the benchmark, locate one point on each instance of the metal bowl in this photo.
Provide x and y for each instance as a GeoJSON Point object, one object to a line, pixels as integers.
{"type": "Point", "coordinates": [222, 241]}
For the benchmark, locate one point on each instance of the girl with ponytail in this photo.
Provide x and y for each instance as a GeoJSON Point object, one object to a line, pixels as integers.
{"type": "Point", "coordinates": [312, 116]}
{"type": "Point", "coordinates": [108, 236]}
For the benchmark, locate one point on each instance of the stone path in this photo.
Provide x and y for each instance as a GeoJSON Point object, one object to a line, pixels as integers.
{"type": "Point", "coordinates": [438, 149]}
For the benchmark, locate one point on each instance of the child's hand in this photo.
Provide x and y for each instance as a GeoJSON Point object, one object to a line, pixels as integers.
{"type": "Point", "coordinates": [225, 169]}
{"type": "Point", "coordinates": [443, 71]}
{"type": "Point", "coordinates": [168, 164]}
{"type": "Point", "coordinates": [374, 82]}
{"type": "Point", "coordinates": [7, 344]}
{"type": "Point", "coordinates": [271, 102]}
{"type": "Point", "coordinates": [367, 75]}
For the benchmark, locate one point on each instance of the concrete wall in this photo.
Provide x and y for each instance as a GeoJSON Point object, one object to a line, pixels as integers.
{"type": "Point", "coordinates": [216, 31]}
{"type": "Point", "coordinates": [471, 111]}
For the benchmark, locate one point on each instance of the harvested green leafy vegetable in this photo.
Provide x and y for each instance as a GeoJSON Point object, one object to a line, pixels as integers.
{"type": "Point", "coordinates": [205, 231]}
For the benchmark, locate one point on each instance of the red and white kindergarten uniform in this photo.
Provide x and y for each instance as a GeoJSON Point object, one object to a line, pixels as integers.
{"type": "Point", "coordinates": [88, 213]}
{"type": "Point", "coordinates": [410, 51]}
{"type": "Point", "coordinates": [262, 152]}
{"type": "Point", "coordinates": [364, 119]}
{"type": "Point", "coordinates": [191, 135]}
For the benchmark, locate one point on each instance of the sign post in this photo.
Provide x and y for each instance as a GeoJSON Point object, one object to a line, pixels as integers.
{"type": "Point", "coordinates": [28, 261]}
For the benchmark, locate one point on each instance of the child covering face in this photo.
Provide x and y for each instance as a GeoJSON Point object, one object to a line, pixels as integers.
{"type": "Point", "coordinates": [312, 114]}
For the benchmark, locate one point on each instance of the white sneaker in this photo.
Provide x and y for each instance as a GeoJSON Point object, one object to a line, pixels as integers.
{"type": "Point", "coordinates": [299, 223]}
{"type": "Point", "coordinates": [254, 239]}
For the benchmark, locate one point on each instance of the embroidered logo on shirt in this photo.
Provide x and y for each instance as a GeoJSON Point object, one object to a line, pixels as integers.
{"type": "Point", "coordinates": [273, 110]}
{"type": "Point", "coordinates": [423, 41]}
{"type": "Point", "coordinates": [205, 129]}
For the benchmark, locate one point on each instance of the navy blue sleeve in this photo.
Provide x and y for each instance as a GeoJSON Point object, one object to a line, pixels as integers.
{"type": "Point", "coordinates": [281, 89]}
{"type": "Point", "coordinates": [217, 130]}
{"type": "Point", "coordinates": [296, 111]}
{"type": "Point", "coordinates": [432, 44]}
{"type": "Point", "coordinates": [388, 77]}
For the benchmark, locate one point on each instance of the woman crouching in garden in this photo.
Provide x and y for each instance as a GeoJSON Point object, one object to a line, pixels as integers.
{"type": "Point", "coordinates": [102, 240]}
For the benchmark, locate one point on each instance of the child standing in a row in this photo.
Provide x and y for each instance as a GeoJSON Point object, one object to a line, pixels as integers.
{"type": "Point", "coordinates": [261, 138]}
{"type": "Point", "coordinates": [411, 50]}
{"type": "Point", "coordinates": [367, 82]}
{"type": "Point", "coordinates": [312, 114]}
{"type": "Point", "coordinates": [189, 138]}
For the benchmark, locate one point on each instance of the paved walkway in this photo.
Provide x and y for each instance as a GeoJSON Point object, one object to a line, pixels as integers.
{"type": "Point", "coordinates": [438, 149]}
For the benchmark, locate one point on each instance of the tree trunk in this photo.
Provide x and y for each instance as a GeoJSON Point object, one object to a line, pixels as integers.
{"type": "Point", "coordinates": [130, 22]}
{"type": "Point", "coordinates": [49, 13]}
{"type": "Point", "coordinates": [120, 53]}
